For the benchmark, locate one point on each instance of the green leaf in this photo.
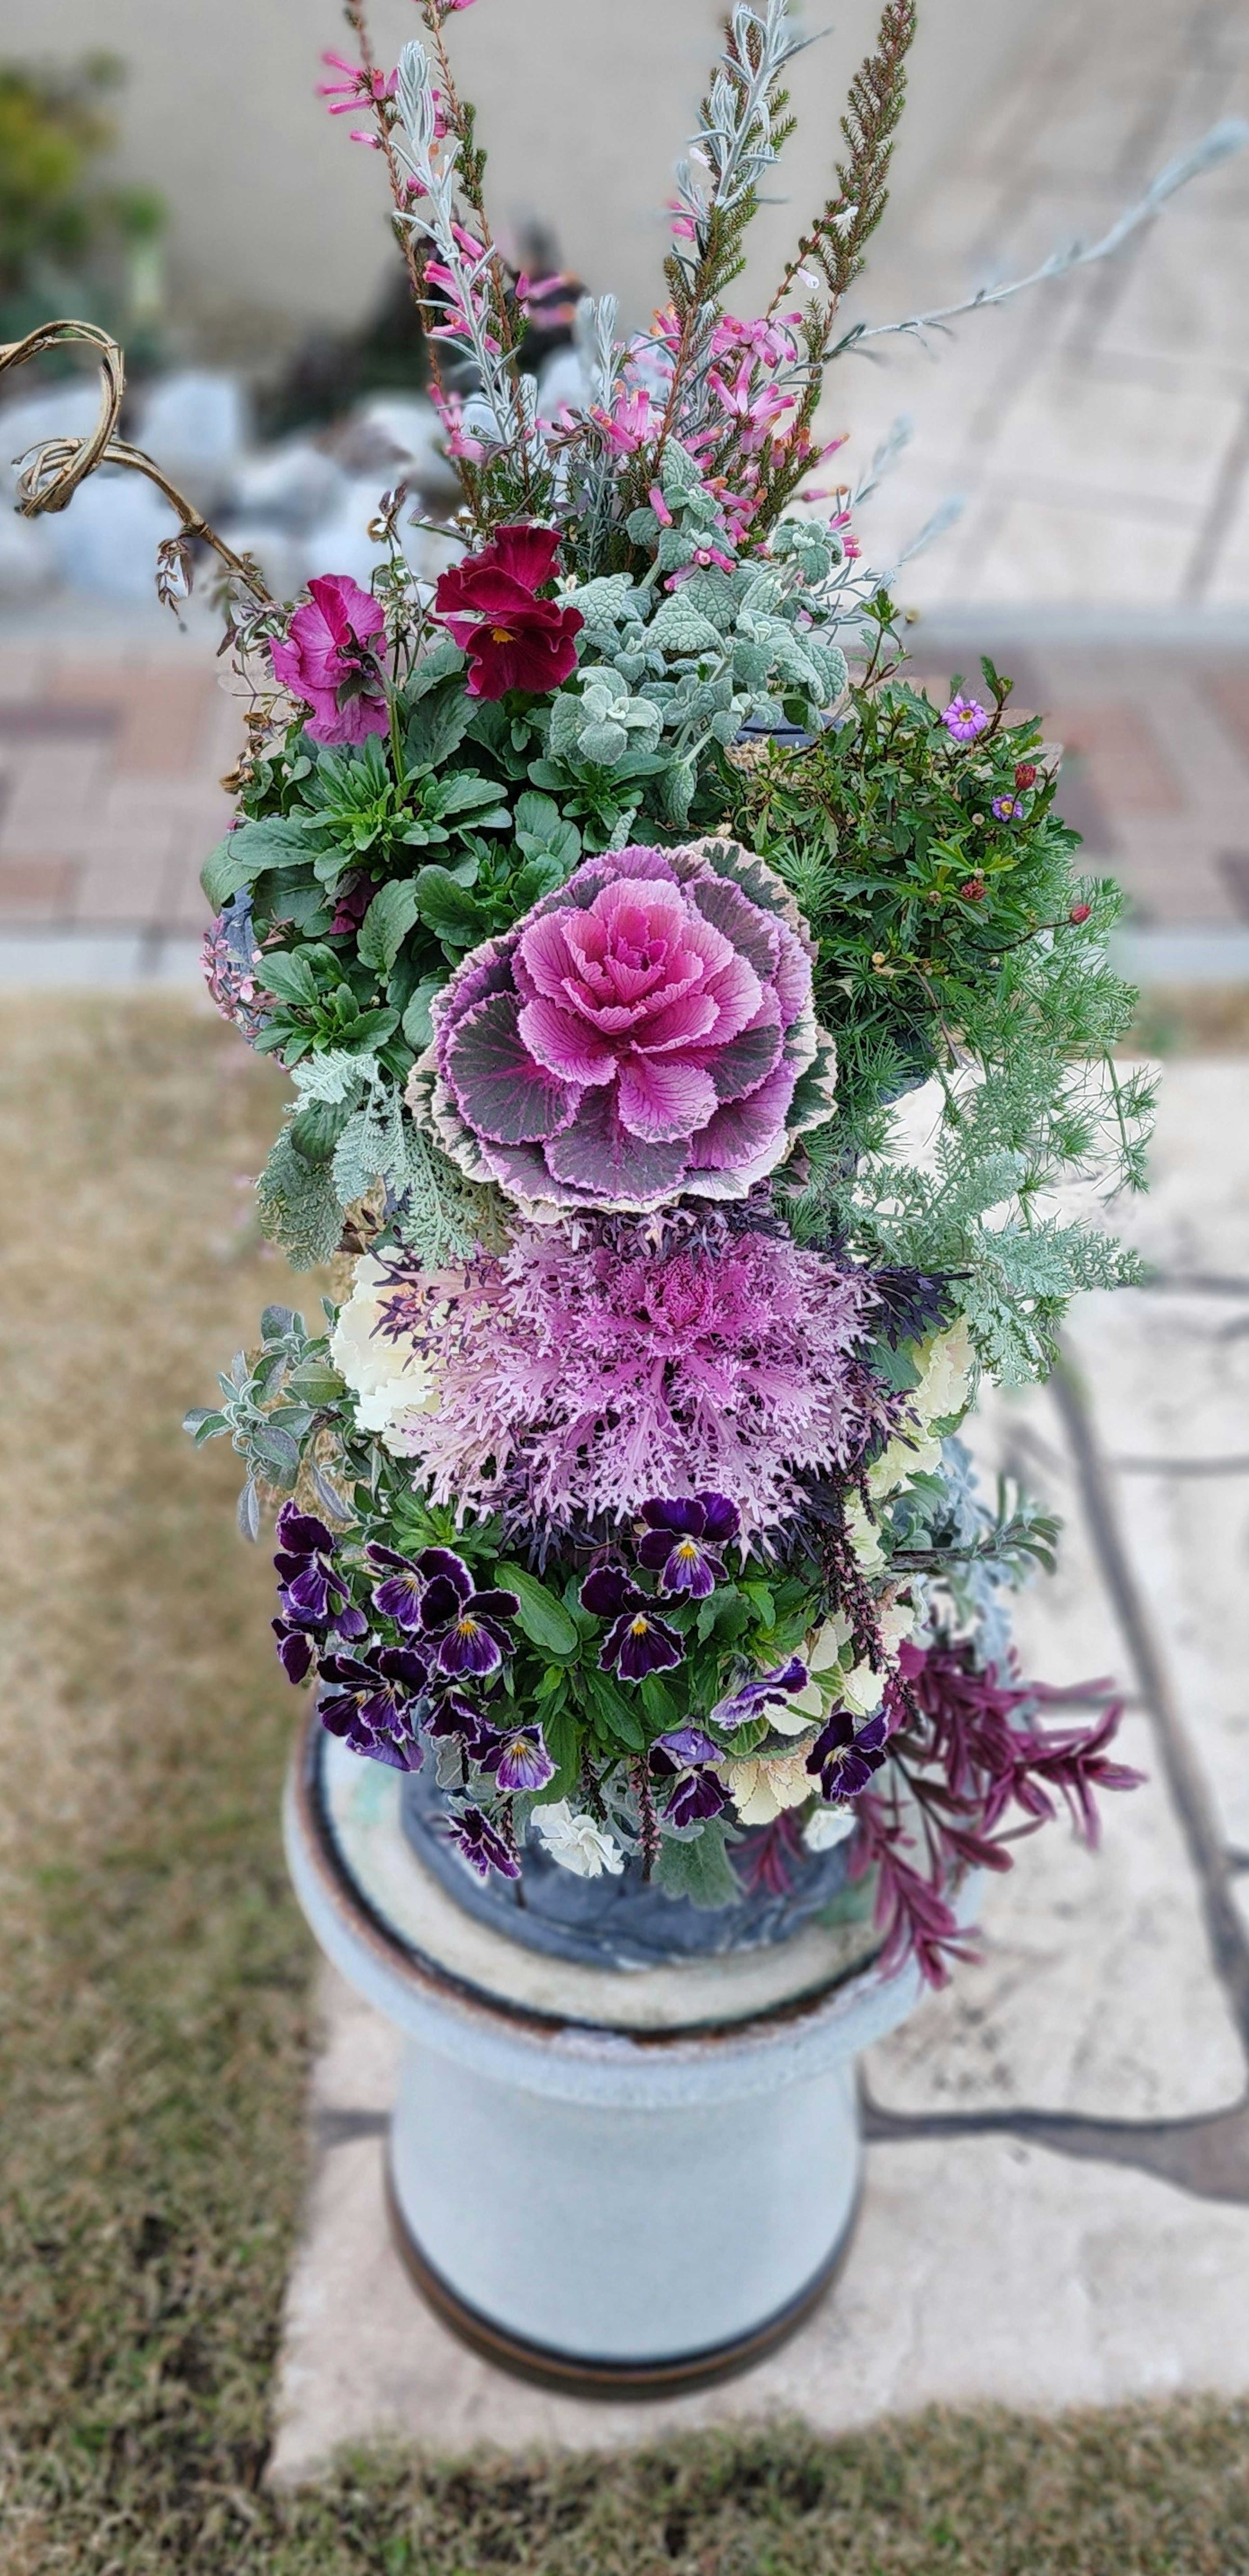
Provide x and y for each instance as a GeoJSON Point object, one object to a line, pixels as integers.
{"type": "Point", "coordinates": [418, 1026]}
{"type": "Point", "coordinates": [289, 975]}
{"type": "Point", "coordinates": [562, 1736]}
{"type": "Point", "coordinates": [315, 1382]}
{"type": "Point", "coordinates": [544, 1620]}
{"type": "Point", "coordinates": [613, 1709]}
{"type": "Point", "coordinates": [446, 908]}
{"type": "Point", "coordinates": [437, 725]}
{"type": "Point", "coordinates": [203, 1424]}
{"type": "Point", "coordinates": [658, 1702]}
{"type": "Point", "coordinates": [386, 924]}
{"type": "Point", "coordinates": [272, 842]}
{"type": "Point", "coordinates": [699, 1869]}
{"type": "Point", "coordinates": [316, 1130]}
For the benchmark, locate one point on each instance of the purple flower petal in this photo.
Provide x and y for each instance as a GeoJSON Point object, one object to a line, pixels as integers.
{"type": "Point", "coordinates": [471, 1646]}
{"type": "Point", "coordinates": [475, 1836]}
{"type": "Point", "coordinates": [640, 1643]}
{"type": "Point", "coordinates": [606, 1591]}
{"type": "Point", "coordinates": [303, 1533]}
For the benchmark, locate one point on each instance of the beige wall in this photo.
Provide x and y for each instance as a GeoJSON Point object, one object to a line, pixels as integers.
{"type": "Point", "coordinates": [584, 104]}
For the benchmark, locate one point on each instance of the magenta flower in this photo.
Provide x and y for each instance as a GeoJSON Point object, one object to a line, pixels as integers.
{"type": "Point", "coordinates": [489, 602]}
{"type": "Point", "coordinates": [964, 718]}
{"type": "Point", "coordinates": [329, 660]}
{"type": "Point", "coordinates": [645, 1032]}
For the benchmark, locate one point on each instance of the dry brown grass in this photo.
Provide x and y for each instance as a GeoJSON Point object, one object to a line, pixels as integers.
{"type": "Point", "coordinates": [153, 2046]}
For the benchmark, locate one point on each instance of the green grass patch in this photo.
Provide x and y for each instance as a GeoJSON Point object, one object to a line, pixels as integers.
{"type": "Point", "coordinates": [154, 2040]}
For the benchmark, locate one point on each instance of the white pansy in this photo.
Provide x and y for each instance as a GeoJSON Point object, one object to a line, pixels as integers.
{"type": "Point", "coordinates": [827, 1826]}
{"type": "Point", "coordinates": [576, 1842]}
{"type": "Point", "coordinates": [762, 1786]}
{"type": "Point", "coordinates": [389, 1379]}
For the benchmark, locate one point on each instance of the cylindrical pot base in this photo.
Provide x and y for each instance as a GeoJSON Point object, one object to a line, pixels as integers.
{"type": "Point", "coordinates": [576, 2375]}
{"type": "Point", "coordinates": [612, 2181]}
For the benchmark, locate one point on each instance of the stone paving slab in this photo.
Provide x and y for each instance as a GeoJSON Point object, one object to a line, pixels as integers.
{"type": "Point", "coordinates": [1057, 2199]}
{"type": "Point", "coordinates": [1096, 430]}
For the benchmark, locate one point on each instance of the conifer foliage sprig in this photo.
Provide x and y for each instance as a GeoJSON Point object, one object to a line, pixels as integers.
{"type": "Point", "coordinates": [837, 241]}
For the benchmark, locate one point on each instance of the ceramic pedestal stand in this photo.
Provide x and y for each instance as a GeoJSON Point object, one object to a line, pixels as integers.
{"type": "Point", "coordinates": [611, 2180]}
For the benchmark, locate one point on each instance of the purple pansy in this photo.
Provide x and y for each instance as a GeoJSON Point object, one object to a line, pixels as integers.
{"type": "Point", "coordinates": [641, 1034]}
{"type": "Point", "coordinates": [638, 1641]}
{"type": "Point", "coordinates": [312, 1594]}
{"type": "Point", "coordinates": [845, 1760]}
{"type": "Point", "coordinates": [371, 1703]}
{"type": "Point", "coordinates": [433, 1594]}
{"type": "Point", "coordinates": [684, 1753]}
{"type": "Point", "coordinates": [482, 1846]}
{"type": "Point", "coordinates": [763, 1691]}
{"type": "Point", "coordinates": [674, 1546]}
{"type": "Point", "coordinates": [294, 1650]}
{"type": "Point", "coordinates": [516, 1756]}
{"type": "Point", "coordinates": [964, 718]}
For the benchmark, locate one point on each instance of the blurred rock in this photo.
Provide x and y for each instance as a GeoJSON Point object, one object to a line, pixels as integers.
{"type": "Point", "coordinates": [292, 484]}
{"type": "Point", "coordinates": [107, 539]}
{"type": "Point", "coordinates": [196, 425]}
{"type": "Point", "coordinates": [401, 434]}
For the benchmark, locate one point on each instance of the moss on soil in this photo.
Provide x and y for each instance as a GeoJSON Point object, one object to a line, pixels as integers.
{"type": "Point", "coordinates": [153, 2048]}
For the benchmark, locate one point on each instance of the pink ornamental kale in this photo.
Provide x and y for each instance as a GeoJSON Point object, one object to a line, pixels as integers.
{"type": "Point", "coordinates": [645, 1033]}
{"type": "Point", "coordinates": [579, 1378]}
{"type": "Point", "coordinates": [330, 660]}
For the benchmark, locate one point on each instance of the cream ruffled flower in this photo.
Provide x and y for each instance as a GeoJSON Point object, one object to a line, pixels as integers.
{"type": "Point", "coordinates": [576, 1842]}
{"type": "Point", "coordinates": [946, 1365]}
{"type": "Point", "coordinates": [390, 1380]}
{"type": "Point", "coordinates": [761, 1786]}
{"type": "Point", "coordinates": [860, 1689]}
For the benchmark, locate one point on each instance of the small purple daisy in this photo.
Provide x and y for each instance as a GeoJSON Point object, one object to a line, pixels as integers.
{"type": "Point", "coordinates": [1007, 808]}
{"type": "Point", "coordinates": [964, 718]}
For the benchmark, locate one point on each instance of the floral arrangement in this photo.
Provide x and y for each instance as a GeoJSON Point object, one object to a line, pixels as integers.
{"type": "Point", "coordinates": [603, 898]}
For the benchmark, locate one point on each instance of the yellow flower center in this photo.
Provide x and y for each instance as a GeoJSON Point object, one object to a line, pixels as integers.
{"type": "Point", "coordinates": [502, 635]}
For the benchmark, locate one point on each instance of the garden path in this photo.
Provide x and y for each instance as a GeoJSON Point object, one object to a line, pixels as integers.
{"type": "Point", "coordinates": [1057, 2200]}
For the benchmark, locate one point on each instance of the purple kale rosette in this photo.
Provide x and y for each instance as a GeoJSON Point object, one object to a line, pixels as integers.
{"type": "Point", "coordinates": [645, 1033]}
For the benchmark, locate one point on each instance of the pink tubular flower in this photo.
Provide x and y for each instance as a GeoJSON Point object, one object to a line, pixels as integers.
{"type": "Point", "coordinates": [576, 1376]}
{"type": "Point", "coordinates": [647, 1031]}
{"type": "Point", "coordinates": [354, 86]}
{"type": "Point", "coordinates": [328, 659]}
{"type": "Point", "coordinates": [632, 420]}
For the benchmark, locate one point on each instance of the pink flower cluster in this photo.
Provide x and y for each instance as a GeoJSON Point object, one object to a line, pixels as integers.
{"type": "Point", "coordinates": [639, 1034]}
{"type": "Point", "coordinates": [580, 1376]}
